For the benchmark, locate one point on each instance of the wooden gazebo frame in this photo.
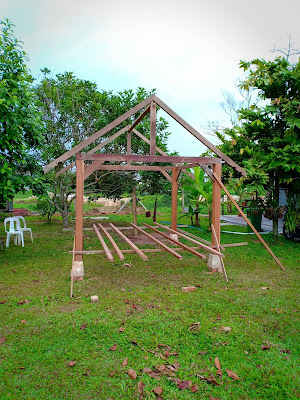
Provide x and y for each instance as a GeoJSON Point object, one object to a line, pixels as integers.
{"type": "Point", "coordinates": [130, 162]}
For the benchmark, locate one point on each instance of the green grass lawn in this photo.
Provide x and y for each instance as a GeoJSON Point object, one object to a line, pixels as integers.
{"type": "Point", "coordinates": [49, 329]}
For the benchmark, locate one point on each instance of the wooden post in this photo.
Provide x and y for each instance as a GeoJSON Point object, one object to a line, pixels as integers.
{"type": "Point", "coordinates": [129, 145]}
{"type": "Point", "coordinates": [135, 232]}
{"type": "Point", "coordinates": [174, 198]}
{"type": "Point", "coordinates": [79, 209]}
{"type": "Point", "coordinates": [152, 129]}
{"type": "Point", "coordinates": [216, 205]}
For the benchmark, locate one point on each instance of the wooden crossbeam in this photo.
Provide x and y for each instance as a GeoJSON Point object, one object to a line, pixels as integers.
{"type": "Point", "coordinates": [161, 244]}
{"type": "Point", "coordinates": [211, 250]}
{"type": "Point", "coordinates": [184, 246]}
{"type": "Point", "coordinates": [198, 135]}
{"type": "Point", "coordinates": [196, 237]}
{"type": "Point", "coordinates": [248, 221]}
{"type": "Point", "coordinates": [92, 151]}
{"type": "Point", "coordinates": [129, 242]}
{"type": "Point", "coordinates": [130, 251]}
{"type": "Point", "coordinates": [104, 245]}
{"type": "Point", "coordinates": [114, 244]}
{"type": "Point", "coordinates": [89, 169]}
{"type": "Point", "coordinates": [139, 118]}
{"type": "Point", "coordinates": [147, 159]}
{"type": "Point", "coordinates": [152, 128]}
{"type": "Point", "coordinates": [96, 165]}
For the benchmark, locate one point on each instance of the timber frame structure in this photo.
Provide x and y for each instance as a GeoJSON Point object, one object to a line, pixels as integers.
{"type": "Point", "coordinates": [87, 163]}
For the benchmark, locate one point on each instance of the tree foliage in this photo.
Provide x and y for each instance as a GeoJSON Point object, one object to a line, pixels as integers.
{"type": "Point", "coordinates": [20, 121]}
{"type": "Point", "coordinates": [267, 142]}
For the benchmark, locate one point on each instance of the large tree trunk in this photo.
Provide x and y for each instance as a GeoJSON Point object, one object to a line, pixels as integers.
{"type": "Point", "coordinates": [64, 215]}
{"type": "Point", "coordinates": [276, 199]}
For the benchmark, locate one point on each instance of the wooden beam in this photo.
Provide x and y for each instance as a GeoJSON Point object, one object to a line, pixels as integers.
{"type": "Point", "coordinates": [128, 145]}
{"type": "Point", "coordinates": [134, 211]}
{"type": "Point", "coordinates": [160, 151]}
{"type": "Point", "coordinates": [79, 208]}
{"type": "Point", "coordinates": [92, 151]}
{"type": "Point", "coordinates": [139, 118]}
{"type": "Point", "coordinates": [198, 135]}
{"type": "Point", "coordinates": [129, 242]}
{"type": "Point", "coordinates": [128, 251]}
{"type": "Point", "coordinates": [216, 204]}
{"type": "Point", "coordinates": [175, 174]}
{"type": "Point", "coordinates": [89, 169]}
{"type": "Point", "coordinates": [161, 244]}
{"type": "Point", "coordinates": [208, 171]}
{"type": "Point", "coordinates": [203, 246]}
{"type": "Point", "coordinates": [147, 159]}
{"type": "Point", "coordinates": [166, 175]}
{"type": "Point", "coordinates": [98, 134]}
{"type": "Point", "coordinates": [248, 221]}
{"type": "Point", "coordinates": [120, 167]}
{"type": "Point", "coordinates": [152, 128]}
{"type": "Point", "coordinates": [197, 237]}
{"type": "Point", "coordinates": [218, 248]}
{"type": "Point", "coordinates": [184, 246]}
{"type": "Point", "coordinates": [104, 245]}
{"type": "Point", "coordinates": [114, 244]}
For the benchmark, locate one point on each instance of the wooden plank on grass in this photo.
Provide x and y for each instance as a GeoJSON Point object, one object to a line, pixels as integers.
{"type": "Point", "coordinates": [129, 242]}
{"type": "Point", "coordinates": [164, 246]}
{"type": "Point", "coordinates": [104, 245]}
{"type": "Point", "coordinates": [198, 238]}
{"type": "Point", "coordinates": [211, 250]}
{"type": "Point", "coordinates": [114, 244]}
{"type": "Point", "coordinates": [184, 246]}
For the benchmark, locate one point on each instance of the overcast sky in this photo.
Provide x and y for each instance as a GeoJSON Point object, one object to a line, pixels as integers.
{"type": "Point", "coordinates": [189, 50]}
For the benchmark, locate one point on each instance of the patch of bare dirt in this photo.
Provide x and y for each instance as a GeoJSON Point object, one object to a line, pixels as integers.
{"type": "Point", "coordinates": [142, 239]}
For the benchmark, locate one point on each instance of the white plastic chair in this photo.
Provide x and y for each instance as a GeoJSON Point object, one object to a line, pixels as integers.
{"type": "Point", "coordinates": [14, 228]}
{"type": "Point", "coordinates": [24, 228]}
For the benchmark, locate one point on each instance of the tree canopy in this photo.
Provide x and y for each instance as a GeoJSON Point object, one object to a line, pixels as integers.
{"type": "Point", "coordinates": [267, 142]}
{"type": "Point", "coordinates": [20, 121]}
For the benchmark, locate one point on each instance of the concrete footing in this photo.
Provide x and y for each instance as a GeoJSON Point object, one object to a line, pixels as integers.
{"type": "Point", "coordinates": [174, 236]}
{"type": "Point", "coordinates": [214, 263]}
{"type": "Point", "coordinates": [77, 271]}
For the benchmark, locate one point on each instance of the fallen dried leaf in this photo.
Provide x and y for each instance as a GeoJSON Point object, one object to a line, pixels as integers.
{"type": "Point", "coordinates": [265, 347]}
{"type": "Point", "coordinates": [83, 326]}
{"type": "Point", "coordinates": [132, 374]}
{"type": "Point", "coordinates": [23, 321]}
{"type": "Point", "coordinates": [146, 370]}
{"type": "Point", "coordinates": [3, 302]}
{"type": "Point", "coordinates": [208, 380]}
{"type": "Point", "coordinates": [184, 385]}
{"type": "Point", "coordinates": [71, 363]}
{"type": "Point", "coordinates": [226, 328]}
{"type": "Point", "coordinates": [125, 362]}
{"type": "Point", "coordinates": [188, 289]}
{"type": "Point", "coordinates": [2, 340]}
{"type": "Point", "coordinates": [232, 374]}
{"type": "Point", "coordinates": [285, 351]}
{"type": "Point", "coordinates": [194, 388]}
{"type": "Point", "coordinates": [265, 288]}
{"type": "Point", "coordinates": [121, 329]}
{"type": "Point", "coordinates": [155, 375]}
{"type": "Point", "coordinates": [113, 347]}
{"type": "Point", "coordinates": [157, 390]}
{"type": "Point", "coordinates": [134, 342]}
{"type": "Point", "coordinates": [161, 356]}
{"type": "Point", "coordinates": [112, 373]}
{"type": "Point", "coordinates": [127, 265]}
{"type": "Point", "coordinates": [195, 326]}
{"type": "Point", "coordinates": [141, 386]}
{"type": "Point", "coordinates": [218, 366]}
{"type": "Point", "coordinates": [202, 352]}
{"type": "Point", "coordinates": [126, 301]}
{"type": "Point", "coordinates": [214, 398]}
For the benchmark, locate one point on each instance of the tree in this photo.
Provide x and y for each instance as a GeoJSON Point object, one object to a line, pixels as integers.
{"type": "Point", "coordinates": [72, 110]}
{"type": "Point", "coordinates": [20, 120]}
{"type": "Point", "coordinates": [267, 142]}
{"type": "Point", "coordinates": [200, 191]}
